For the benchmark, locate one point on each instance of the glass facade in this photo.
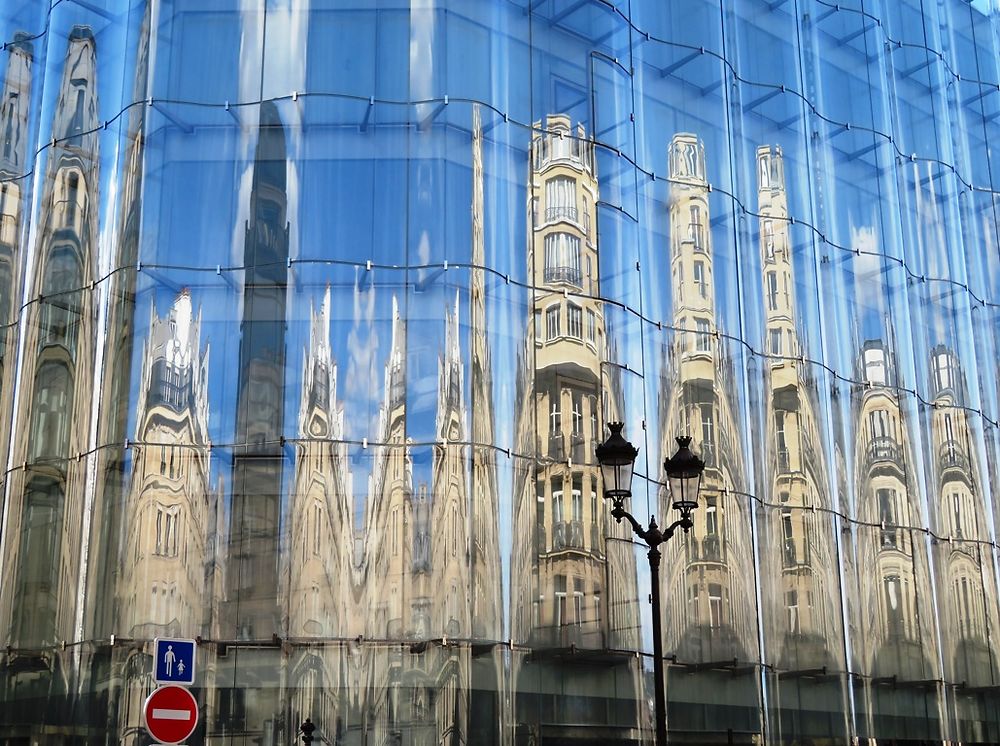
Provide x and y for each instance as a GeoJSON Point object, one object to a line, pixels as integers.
{"type": "Point", "coordinates": [312, 313]}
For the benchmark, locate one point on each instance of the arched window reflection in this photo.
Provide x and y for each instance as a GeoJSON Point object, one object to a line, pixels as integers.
{"type": "Point", "coordinates": [61, 301]}
{"type": "Point", "coordinates": [49, 436]}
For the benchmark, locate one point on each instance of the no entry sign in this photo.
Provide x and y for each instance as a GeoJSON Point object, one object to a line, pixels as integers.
{"type": "Point", "coordinates": [171, 714]}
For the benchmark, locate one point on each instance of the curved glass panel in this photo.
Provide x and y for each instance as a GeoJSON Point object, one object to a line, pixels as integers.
{"type": "Point", "coordinates": [312, 315]}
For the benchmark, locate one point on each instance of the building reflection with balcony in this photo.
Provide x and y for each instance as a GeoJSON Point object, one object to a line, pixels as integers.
{"type": "Point", "coordinates": [800, 582]}
{"type": "Point", "coordinates": [797, 548]}
{"type": "Point", "coordinates": [959, 520]}
{"type": "Point", "coordinates": [709, 623]}
{"type": "Point", "coordinates": [573, 582]}
{"type": "Point", "coordinates": [894, 639]}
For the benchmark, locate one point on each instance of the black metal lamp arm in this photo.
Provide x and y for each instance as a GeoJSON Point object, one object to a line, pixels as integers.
{"type": "Point", "coordinates": [618, 512]}
{"type": "Point", "coordinates": [653, 536]}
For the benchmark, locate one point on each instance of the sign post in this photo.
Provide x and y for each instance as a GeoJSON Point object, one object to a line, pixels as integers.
{"type": "Point", "coordinates": [170, 714]}
{"type": "Point", "coordinates": [175, 661]}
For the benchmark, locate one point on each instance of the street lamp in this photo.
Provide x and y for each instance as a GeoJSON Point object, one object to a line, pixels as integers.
{"type": "Point", "coordinates": [616, 457]}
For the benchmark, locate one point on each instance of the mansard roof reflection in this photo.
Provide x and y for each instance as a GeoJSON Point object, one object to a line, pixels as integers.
{"type": "Point", "coordinates": [877, 364]}
{"type": "Point", "coordinates": [686, 160]}
{"type": "Point", "coordinates": [559, 142]}
{"type": "Point", "coordinates": [948, 378]}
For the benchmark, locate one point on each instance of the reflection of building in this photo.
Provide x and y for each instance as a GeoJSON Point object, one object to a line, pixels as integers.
{"type": "Point", "coordinates": [569, 588]}
{"type": "Point", "coordinates": [567, 341]}
{"type": "Point", "coordinates": [708, 623]}
{"type": "Point", "coordinates": [801, 619]}
{"type": "Point", "coordinates": [14, 98]}
{"type": "Point", "coordinates": [168, 507]}
{"type": "Point", "coordinates": [166, 511]}
{"type": "Point", "coordinates": [46, 497]}
{"type": "Point", "coordinates": [395, 542]}
{"type": "Point", "coordinates": [117, 390]}
{"type": "Point", "coordinates": [320, 541]}
{"type": "Point", "coordinates": [709, 600]}
{"type": "Point", "coordinates": [433, 569]}
{"type": "Point", "coordinates": [486, 614]}
{"type": "Point", "coordinates": [392, 542]}
{"type": "Point", "coordinates": [417, 569]}
{"type": "Point", "coordinates": [252, 571]}
{"type": "Point", "coordinates": [961, 520]}
{"type": "Point", "coordinates": [894, 635]}
{"type": "Point", "coordinates": [250, 611]}
{"type": "Point", "coordinates": [803, 627]}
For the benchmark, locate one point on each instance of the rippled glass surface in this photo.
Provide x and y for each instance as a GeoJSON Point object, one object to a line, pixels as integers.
{"type": "Point", "coordinates": [312, 314]}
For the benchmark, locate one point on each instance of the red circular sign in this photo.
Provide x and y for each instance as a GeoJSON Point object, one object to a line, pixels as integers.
{"type": "Point", "coordinates": [171, 713]}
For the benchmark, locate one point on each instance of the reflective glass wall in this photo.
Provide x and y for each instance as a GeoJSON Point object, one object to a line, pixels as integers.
{"type": "Point", "coordinates": [312, 313]}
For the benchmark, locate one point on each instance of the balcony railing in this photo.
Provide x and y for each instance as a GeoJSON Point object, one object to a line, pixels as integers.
{"type": "Point", "coordinates": [696, 234]}
{"type": "Point", "coordinates": [711, 549]}
{"type": "Point", "coordinates": [561, 213]}
{"type": "Point", "coordinates": [560, 536]}
{"type": "Point", "coordinates": [790, 555]}
{"type": "Point", "coordinates": [557, 447]}
{"type": "Point", "coordinates": [570, 275]}
{"type": "Point", "coordinates": [576, 534]}
{"type": "Point", "coordinates": [708, 453]}
{"type": "Point", "coordinates": [952, 456]}
{"type": "Point", "coordinates": [564, 635]}
{"type": "Point", "coordinates": [577, 449]}
{"type": "Point", "coordinates": [883, 449]}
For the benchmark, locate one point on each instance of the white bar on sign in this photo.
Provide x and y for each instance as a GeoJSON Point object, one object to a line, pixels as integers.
{"type": "Point", "coordinates": [163, 714]}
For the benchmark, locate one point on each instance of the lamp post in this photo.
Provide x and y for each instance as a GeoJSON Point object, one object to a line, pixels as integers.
{"type": "Point", "coordinates": [616, 457]}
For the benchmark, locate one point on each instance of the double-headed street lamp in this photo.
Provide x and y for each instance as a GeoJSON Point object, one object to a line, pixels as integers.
{"type": "Point", "coordinates": [616, 457]}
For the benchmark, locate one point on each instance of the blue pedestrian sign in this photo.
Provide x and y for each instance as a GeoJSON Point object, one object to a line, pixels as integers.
{"type": "Point", "coordinates": [174, 661]}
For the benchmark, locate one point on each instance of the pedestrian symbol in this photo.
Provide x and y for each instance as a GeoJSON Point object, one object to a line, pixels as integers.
{"type": "Point", "coordinates": [174, 661]}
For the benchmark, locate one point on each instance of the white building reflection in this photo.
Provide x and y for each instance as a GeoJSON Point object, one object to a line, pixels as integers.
{"type": "Point", "coordinates": [895, 640]}
{"type": "Point", "coordinates": [804, 626]}
{"type": "Point", "coordinates": [709, 620]}
{"type": "Point", "coordinates": [573, 583]}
